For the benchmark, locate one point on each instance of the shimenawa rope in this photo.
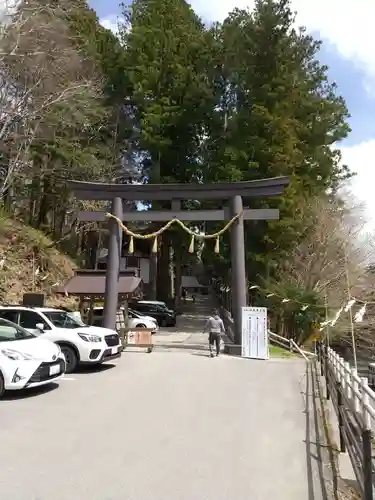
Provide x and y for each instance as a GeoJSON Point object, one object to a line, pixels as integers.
{"type": "Point", "coordinates": [157, 233]}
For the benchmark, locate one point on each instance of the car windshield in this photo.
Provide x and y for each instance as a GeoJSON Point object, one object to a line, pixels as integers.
{"type": "Point", "coordinates": [9, 332]}
{"type": "Point", "coordinates": [137, 314]}
{"type": "Point", "coordinates": [62, 319]}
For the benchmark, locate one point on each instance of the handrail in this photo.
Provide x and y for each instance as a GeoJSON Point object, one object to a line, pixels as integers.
{"type": "Point", "coordinates": [290, 344]}
{"type": "Point", "coordinates": [354, 401]}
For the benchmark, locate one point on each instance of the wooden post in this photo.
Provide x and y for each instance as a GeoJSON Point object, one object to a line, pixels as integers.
{"type": "Point", "coordinates": [366, 443]}
{"type": "Point", "coordinates": [238, 261]}
{"type": "Point", "coordinates": [340, 409]}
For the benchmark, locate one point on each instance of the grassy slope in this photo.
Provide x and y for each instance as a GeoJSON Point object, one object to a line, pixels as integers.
{"type": "Point", "coordinates": [29, 262]}
{"type": "Point", "coordinates": [279, 352]}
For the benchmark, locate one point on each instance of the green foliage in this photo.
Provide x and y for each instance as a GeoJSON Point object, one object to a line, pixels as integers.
{"type": "Point", "coordinates": [299, 324]}
{"type": "Point", "coordinates": [282, 117]}
{"type": "Point", "coordinates": [167, 56]}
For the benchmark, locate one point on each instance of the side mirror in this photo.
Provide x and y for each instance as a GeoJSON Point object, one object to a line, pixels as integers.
{"type": "Point", "coordinates": [40, 327]}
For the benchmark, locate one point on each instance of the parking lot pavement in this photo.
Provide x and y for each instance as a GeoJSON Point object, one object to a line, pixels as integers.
{"type": "Point", "coordinates": [163, 426]}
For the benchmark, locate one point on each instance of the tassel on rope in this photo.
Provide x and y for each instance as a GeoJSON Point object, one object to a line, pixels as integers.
{"type": "Point", "coordinates": [155, 245]}
{"type": "Point", "coordinates": [131, 245]}
{"type": "Point", "coordinates": [217, 245]}
{"type": "Point", "coordinates": [191, 246]}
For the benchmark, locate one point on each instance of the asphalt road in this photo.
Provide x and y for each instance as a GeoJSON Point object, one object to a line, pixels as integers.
{"type": "Point", "coordinates": [171, 425]}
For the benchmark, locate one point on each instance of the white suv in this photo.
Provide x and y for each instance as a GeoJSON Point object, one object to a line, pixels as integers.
{"type": "Point", "coordinates": [79, 343]}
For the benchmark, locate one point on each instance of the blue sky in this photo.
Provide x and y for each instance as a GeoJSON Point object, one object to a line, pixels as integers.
{"type": "Point", "coordinates": [346, 29]}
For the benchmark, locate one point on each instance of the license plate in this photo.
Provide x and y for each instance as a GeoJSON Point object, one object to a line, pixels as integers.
{"type": "Point", "coordinates": [115, 350]}
{"type": "Point", "coordinates": [54, 370]}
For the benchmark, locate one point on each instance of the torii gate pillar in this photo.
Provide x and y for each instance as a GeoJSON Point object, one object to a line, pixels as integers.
{"type": "Point", "coordinates": [113, 266]}
{"type": "Point", "coordinates": [238, 270]}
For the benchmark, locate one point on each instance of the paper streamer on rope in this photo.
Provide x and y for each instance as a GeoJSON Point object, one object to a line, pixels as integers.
{"type": "Point", "coordinates": [337, 315]}
{"type": "Point", "coordinates": [155, 245]}
{"type": "Point", "coordinates": [349, 305]}
{"type": "Point", "coordinates": [191, 246]}
{"type": "Point", "coordinates": [217, 245]}
{"type": "Point", "coordinates": [358, 318]}
{"type": "Point", "coordinates": [131, 245]}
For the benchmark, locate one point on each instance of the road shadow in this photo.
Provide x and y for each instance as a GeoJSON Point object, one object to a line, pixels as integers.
{"type": "Point", "coordinates": [91, 369]}
{"type": "Point", "coordinates": [30, 393]}
{"type": "Point", "coordinates": [318, 451]}
{"type": "Point", "coordinates": [181, 347]}
{"type": "Point", "coordinates": [201, 354]}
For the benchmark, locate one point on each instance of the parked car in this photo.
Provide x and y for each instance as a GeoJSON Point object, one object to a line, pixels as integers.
{"type": "Point", "coordinates": [26, 360]}
{"type": "Point", "coordinates": [81, 344]}
{"type": "Point", "coordinates": [141, 315]}
{"type": "Point", "coordinates": [135, 320]}
{"type": "Point", "coordinates": [163, 315]}
{"type": "Point", "coordinates": [138, 320]}
{"type": "Point", "coordinates": [153, 302]}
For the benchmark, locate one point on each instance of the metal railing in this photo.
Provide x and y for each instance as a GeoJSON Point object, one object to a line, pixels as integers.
{"type": "Point", "coordinates": [354, 403]}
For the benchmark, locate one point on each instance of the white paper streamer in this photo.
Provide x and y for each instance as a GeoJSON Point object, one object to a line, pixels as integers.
{"type": "Point", "coordinates": [337, 315]}
{"type": "Point", "coordinates": [358, 318]}
{"type": "Point", "coordinates": [349, 305]}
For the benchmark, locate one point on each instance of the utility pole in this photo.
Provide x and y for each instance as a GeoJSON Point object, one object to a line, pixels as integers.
{"type": "Point", "coordinates": [350, 309]}
{"type": "Point", "coordinates": [327, 337]}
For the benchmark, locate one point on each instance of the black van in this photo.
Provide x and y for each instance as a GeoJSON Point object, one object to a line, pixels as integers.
{"type": "Point", "coordinates": [163, 315]}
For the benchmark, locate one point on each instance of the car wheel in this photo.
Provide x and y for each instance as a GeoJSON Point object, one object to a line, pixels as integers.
{"type": "Point", "coordinates": [2, 385]}
{"type": "Point", "coordinates": [163, 323]}
{"type": "Point", "coordinates": [70, 357]}
{"type": "Point", "coordinates": [141, 325]}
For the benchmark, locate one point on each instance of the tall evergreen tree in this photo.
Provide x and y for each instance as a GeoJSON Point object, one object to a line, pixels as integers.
{"type": "Point", "coordinates": [167, 56]}
{"type": "Point", "coordinates": [281, 116]}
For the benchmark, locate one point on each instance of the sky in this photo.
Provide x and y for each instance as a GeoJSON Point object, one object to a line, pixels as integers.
{"type": "Point", "coordinates": [346, 29]}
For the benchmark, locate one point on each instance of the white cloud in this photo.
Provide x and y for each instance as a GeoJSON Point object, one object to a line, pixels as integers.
{"type": "Point", "coordinates": [360, 159]}
{"type": "Point", "coordinates": [110, 23]}
{"type": "Point", "coordinates": [347, 25]}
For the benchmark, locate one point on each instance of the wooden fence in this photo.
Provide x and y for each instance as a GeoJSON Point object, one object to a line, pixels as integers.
{"type": "Point", "coordinates": [354, 403]}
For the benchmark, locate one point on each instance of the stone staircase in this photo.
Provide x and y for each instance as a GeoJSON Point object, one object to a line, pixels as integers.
{"type": "Point", "coordinates": [190, 324]}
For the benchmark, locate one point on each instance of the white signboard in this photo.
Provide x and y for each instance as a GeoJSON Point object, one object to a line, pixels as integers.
{"type": "Point", "coordinates": [255, 333]}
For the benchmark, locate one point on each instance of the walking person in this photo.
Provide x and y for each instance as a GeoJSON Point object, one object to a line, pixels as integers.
{"type": "Point", "coordinates": [215, 327]}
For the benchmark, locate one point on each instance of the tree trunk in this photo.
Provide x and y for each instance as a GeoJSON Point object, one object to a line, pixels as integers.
{"type": "Point", "coordinates": [153, 276]}
{"type": "Point", "coordinates": [178, 271]}
{"type": "Point", "coordinates": [164, 281]}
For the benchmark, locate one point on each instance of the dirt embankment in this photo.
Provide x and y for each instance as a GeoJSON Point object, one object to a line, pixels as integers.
{"type": "Point", "coordinates": [29, 262]}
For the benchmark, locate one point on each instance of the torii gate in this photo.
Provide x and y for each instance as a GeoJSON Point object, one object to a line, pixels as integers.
{"type": "Point", "coordinates": [234, 192]}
